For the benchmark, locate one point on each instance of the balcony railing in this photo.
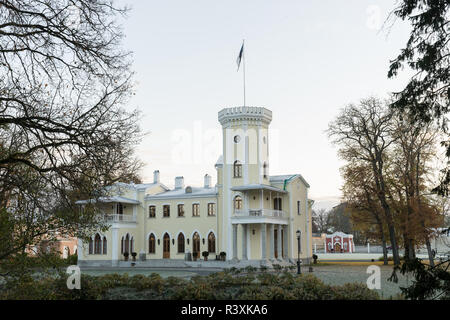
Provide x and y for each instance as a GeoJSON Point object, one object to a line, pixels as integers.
{"type": "Point", "coordinates": [119, 218]}
{"type": "Point", "coordinates": [261, 213]}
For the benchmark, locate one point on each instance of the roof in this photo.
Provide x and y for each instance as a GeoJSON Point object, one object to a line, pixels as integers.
{"type": "Point", "coordinates": [137, 186]}
{"type": "Point", "coordinates": [109, 199]}
{"type": "Point", "coordinates": [341, 234]}
{"type": "Point", "coordinates": [219, 161]}
{"type": "Point", "coordinates": [181, 193]}
{"type": "Point", "coordinates": [282, 178]}
{"type": "Point", "coordinates": [257, 187]}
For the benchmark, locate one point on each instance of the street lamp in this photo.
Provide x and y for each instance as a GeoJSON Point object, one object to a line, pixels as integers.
{"type": "Point", "coordinates": [299, 233]}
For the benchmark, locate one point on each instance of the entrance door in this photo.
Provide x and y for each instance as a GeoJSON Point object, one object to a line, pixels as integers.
{"type": "Point", "coordinates": [166, 246]}
{"type": "Point", "coordinates": [196, 245]}
{"type": "Point", "coordinates": [275, 239]}
{"type": "Point", "coordinates": [337, 247]}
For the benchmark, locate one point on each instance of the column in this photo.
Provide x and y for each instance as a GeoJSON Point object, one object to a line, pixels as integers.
{"type": "Point", "coordinates": [272, 242]}
{"type": "Point", "coordinates": [235, 241]}
{"type": "Point", "coordinates": [263, 241]}
{"type": "Point", "coordinates": [280, 253]}
{"type": "Point", "coordinates": [285, 242]}
{"type": "Point", "coordinates": [244, 242]}
{"type": "Point", "coordinates": [114, 246]}
{"type": "Point", "coordinates": [80, 249]}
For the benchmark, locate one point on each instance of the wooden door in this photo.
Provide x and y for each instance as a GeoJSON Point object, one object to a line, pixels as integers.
{"type": "Point", "coordinates": [166, 246]}
{"type": "Point", "coordinates": [275, 239]}
{"type": "Point", "coordinates": [196, 245]}
{"type": "Point", "coordinates": [337, 247]}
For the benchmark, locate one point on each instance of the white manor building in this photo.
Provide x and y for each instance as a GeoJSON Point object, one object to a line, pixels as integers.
{"type": "Point", "coordinates": [251, 216]}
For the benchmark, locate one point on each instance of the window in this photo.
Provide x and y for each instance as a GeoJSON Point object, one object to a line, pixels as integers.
{"type": "Point", "coordinates": [195, 210]}
{"type": "Point", "coordinates": [181, 210]}
{"type": "Point", "coordinates": [97, 244]}
{"type": "Point", "coordinates": [151, 211]}
{"type": "Point", "coordinates": [151, 243]}
{"type": "Point", "coordinates": [265, 170]}
{"type": "Point", "coordinates": [166, 210]}
{"type": "Point", "coordinates": [237, 203]}
{"type": "Point", "coordinates": [237, 169]}
{"type": "Point", "coordinates": [196, 245]}
{"type": "Point", "coordinates": [119, 208]}
{"type": "Point", "coordinates": [180, 243]}
{"type": "Point", "coordinates": [105, 245]}
{"type": "Point", "coordinates": [299, 207]}
{"type": "Point", "coordinates": [211, 242]}
{"type": "Point", "coordinates": [127, 244]}
{"type": "Point", "coordinates": [211, 209]}
{"type": "Point", "coordinates": [277, 204]}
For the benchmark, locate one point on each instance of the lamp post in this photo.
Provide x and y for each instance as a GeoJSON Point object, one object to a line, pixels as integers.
{"type": "Point", "coordinates": [299, 233]}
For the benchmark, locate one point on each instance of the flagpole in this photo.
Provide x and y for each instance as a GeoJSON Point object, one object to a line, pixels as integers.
{"type": "Point", "coordinates": [243, 53]}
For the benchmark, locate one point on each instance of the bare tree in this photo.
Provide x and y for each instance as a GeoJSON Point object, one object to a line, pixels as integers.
{"type": "Point", "coordinates": [320, 220]}
{"type": "Point", "coordinates": [65, 132]}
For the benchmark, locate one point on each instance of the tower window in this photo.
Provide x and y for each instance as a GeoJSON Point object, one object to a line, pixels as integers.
{"type": "Point", "coordinates": [265, 170]}
{"type": "Point", "coordinates": [237, 169]}
{"type": "Point", "coordinates": [237, 203]}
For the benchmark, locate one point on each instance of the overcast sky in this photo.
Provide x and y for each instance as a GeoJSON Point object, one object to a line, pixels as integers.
{"type": "Point", "coordinates": [304, 61]}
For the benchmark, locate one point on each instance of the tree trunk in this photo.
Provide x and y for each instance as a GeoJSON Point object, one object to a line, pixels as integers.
{"type": "Point", "coordinates": [395, 254]}
{"type": "Point", "coordinates": [430, 252]}
{"type": "Point", "coordinates": [385, 253]}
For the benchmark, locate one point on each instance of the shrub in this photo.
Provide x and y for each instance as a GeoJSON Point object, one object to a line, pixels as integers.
{"type": "Point", "coordinates": [220, 285]}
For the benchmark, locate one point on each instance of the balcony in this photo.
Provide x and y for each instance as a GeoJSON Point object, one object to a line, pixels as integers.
{"type": "Point", "coordinates": [120, 218]}
{"type": "Point", "coordinates": [260, 216]}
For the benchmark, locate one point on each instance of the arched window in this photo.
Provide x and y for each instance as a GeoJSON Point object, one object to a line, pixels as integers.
{"type": "Point", "coordinates": [237, 203]}
{"type": "Point", "coordinates": [196, 245]}
{"type": "Point", "coordinates": [237, 169]}
{"type": "Point", "coordinates": [151, 243]}
{"type": "Point", "coordinates": [180, 243]}
{"type": "Point", "coordinates": [211, 242]}
{"type": "Point", "coordinates": [131, 245]}
{"type": "Point", "coordinates": [265, 170]}
{"type": "Point", "coordinates": [126, 244]}
{"type": "Point", "coordinates": [166, 246]}
{"type": "Point", "coordinates": [105, 245]}
{"type": "Point", "coordinates": [97, 244]}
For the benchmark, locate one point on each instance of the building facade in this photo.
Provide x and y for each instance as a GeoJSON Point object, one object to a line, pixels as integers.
{"type": "Point", "coordinates": [249, 215]}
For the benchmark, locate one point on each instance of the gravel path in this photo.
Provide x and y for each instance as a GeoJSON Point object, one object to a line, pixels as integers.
{"type": "Point", "coordinates": [341, 274]}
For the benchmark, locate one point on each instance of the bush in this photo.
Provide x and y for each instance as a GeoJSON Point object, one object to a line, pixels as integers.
{"type": "Point", "coordinates": [72, 259]}
{"type": "Point", "coordinates": [220, 285]}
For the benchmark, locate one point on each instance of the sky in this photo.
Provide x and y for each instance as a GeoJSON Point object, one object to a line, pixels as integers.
{"type": "Point", "coordinates": [304, 60]}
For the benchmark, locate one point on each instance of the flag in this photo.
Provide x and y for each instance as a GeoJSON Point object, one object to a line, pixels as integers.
{"type": "Point", "coordinates": [239, 58]}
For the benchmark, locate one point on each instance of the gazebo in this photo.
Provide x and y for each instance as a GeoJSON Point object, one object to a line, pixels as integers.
{"type": "Point", "coordinates": [339, 242]}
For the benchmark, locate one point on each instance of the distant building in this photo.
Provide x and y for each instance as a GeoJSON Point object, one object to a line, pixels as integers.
{"type": "Point", "coordinates": [64, 246]}
{"type": "Point", "coordinates": [339, 242]}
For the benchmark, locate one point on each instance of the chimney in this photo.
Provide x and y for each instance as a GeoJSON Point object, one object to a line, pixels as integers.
{"type": "Point", "coordinates": [179, 182]}
{"type": "Point", "coordinates": [156, 176]}
{"type": "Point", "coordinates": [207, 181]}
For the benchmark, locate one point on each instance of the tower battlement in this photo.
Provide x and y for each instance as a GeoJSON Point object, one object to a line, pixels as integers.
{"type": "Point", "coordinates": [245, 113]}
